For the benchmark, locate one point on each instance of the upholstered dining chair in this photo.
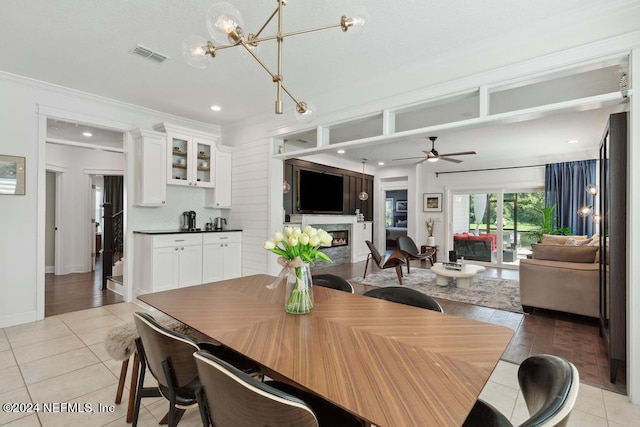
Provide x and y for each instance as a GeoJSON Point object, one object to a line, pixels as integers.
{"type": "Point", "coordinates": [332, 281]}
{"type": "Point", "coordinates": [406, 296]}
{"type": "Point", "coordinates": [395, 260]}
{"type": "Point", "coordinates": [230, 398]}
{"type": "Point", "coordinates": [410, 251]}
{"type": "Point", "coordinates": [549, 385]}
{"type": "Point", "coordinates": [169, 357]}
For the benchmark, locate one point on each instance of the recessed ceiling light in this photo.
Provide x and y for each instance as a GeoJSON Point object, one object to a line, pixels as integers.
{"type": "Point", "coordinates": [340, 151]}
{"type": "Point", "coordinates": [215, 108]}
{"type": "Point", "coordinates": [380, 163]}
{"type": "Point", "coordinates": [87, 134]}
{"type": "Point", "coordinates": [572, 141]}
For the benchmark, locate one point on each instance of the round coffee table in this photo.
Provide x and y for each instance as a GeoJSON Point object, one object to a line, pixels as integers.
{"type": "Point", "coordinates": [463, 277]}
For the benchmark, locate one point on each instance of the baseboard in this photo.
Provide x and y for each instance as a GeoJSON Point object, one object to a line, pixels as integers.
{"type": "Point", "coordinates": [50, 269]}
{"type": "Point", "coordinates": [18, 319]}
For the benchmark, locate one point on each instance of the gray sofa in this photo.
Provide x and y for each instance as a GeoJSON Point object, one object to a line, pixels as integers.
{"type": "Point", "coordinates": [562, 276]}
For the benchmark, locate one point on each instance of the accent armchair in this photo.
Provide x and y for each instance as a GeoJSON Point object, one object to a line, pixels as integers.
{"type": "Point", "coordinates": [395, 260]}
{"type": "Point", "coordinates": [410, 251]}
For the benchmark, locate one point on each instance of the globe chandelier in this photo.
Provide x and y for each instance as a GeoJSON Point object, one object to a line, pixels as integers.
{"type": "Point", "coordinates": [225, 25]}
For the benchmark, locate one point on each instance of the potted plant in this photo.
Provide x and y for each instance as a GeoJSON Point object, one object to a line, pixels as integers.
{"type": "Point", "coordinates": [547, 224]}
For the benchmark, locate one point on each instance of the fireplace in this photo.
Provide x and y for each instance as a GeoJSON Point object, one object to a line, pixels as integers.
{"type": "Point", "coordinates": [340, 249]}
{"type": "Point", "coordinates": [340, 238]}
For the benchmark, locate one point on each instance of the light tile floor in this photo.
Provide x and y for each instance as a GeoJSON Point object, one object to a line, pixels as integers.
{"type": "Point", "coordinates": [62, 360]}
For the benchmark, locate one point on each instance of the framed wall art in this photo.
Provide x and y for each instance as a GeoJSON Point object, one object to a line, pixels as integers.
{"type": "Point", "coordinates": [432, 202]}
{"type": "Point", "coordinates": [401, 206]}
{"type": "Point", "coordinates": [12, 171]}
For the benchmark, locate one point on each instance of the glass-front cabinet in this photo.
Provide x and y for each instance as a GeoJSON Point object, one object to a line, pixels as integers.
{"type": "Point", "coordinates": [191, 161]}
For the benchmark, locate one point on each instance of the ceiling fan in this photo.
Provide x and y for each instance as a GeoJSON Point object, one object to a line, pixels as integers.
{"type": "Point", "coordinates": [434, 156]}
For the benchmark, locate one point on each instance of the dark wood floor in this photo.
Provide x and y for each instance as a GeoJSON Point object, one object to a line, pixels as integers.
{"type": "Point", "coordinates": [76, 291]}
{"type": "Point", "coordinates": [573, 337]}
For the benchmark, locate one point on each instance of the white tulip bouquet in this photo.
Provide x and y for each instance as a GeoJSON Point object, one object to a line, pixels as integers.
{"type": "Point", "coordinates": [297, 248]}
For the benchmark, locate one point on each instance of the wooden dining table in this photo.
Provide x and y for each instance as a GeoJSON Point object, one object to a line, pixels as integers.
{"type": "Point", "coordinates": [389, 364]}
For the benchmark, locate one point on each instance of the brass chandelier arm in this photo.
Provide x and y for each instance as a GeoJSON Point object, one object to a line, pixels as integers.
{"type": "Point", "coordinates": [278, 80]}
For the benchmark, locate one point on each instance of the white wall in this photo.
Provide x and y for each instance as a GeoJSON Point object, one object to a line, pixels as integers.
{"type": "Point", "coordinates": [22, 218]}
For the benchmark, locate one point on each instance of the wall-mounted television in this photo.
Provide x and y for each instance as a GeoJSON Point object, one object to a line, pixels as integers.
{"type": "Point", "coordinates": [319, 192]}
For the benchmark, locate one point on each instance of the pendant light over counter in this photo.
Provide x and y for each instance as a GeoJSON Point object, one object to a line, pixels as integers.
{"type": "Point", "coordinates": [363, 194]}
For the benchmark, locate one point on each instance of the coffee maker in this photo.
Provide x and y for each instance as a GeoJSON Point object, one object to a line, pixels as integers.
{"type": "Point", "coordinates": [189, 221]}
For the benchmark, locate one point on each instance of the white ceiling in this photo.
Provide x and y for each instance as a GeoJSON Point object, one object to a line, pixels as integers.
{"type": "Point", "coordinates": [86, 44]}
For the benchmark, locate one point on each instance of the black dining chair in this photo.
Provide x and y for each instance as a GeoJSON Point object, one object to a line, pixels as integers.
{"type": "Point", "coordinates": [395, 260]}
{"type": "Point", "coordinates": [410, 251]}
{"type": "Point", "coordinates": [549, 385]}
{"type": "Point", "coordinates": [169, 357]}
{"type": "Point", "coordinates": [230, 398]}
{"type": "Point", "coordinates": [332, 281]}
{"type": "Point", "coordinates": [405, 296]}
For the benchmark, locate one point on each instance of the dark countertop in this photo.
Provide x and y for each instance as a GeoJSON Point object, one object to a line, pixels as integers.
{"type": "Point", "coordinates": [183, 231]}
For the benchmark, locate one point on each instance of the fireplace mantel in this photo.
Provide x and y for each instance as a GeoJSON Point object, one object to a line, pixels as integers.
{"type": "Point", "coordinates": [305, 219]}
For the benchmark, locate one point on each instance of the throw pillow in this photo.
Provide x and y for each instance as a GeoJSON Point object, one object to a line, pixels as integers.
{"type": "Point", "coordinates": [553, 239]}
{"type": "Point", "coordinates": [577, 242]}
{"type": "Point", "coordinates": [564, 253]}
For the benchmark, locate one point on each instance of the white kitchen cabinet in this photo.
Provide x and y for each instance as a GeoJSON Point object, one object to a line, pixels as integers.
{"type": "Point", "coordinates": [222, 256]}
{"type": "Point", "coordinates": [167, 261]}
{"type": "Point", "coordinates": [220, 197]}
{"type": "Point", "coordinates": [361, 231]}
{"type": "Point", "coordinates": [190, 160]}
{"type": "Point", "coordinates": [151, 174]}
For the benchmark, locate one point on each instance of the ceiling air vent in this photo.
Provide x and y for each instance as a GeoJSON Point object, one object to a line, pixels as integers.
{"type": "Point", "coordinates": [149, 54]}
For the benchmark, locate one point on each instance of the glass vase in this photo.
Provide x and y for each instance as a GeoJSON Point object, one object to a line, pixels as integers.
{"type": "Point", "coordinates": [299, 292]}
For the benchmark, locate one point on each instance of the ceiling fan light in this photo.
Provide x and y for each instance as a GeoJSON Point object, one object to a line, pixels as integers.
{"type": "Point", "coordinates": [432, 159]}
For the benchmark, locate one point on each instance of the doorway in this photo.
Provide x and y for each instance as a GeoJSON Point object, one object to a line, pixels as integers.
{"type": "Point", "coordinates": [395, 216]}
{"type": "Point", "coordinates": [72, 271]}
{"type": "Point", "coordinates": [495, 226]}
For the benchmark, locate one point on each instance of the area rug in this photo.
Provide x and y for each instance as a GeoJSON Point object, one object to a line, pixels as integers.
{"type": "Point", "coordinates": [502, 294]}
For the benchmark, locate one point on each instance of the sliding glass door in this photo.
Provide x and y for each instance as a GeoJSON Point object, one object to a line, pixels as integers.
{"type": "Point", "coordinates": [495, 227]}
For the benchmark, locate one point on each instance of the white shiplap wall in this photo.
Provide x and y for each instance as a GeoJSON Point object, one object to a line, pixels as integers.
{"type": "Point", "coordinates": [250, 201]}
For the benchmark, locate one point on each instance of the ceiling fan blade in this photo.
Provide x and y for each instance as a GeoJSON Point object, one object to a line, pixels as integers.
{"type": "Point", "coordinates": [450, 160]}
{"type": "Point", "coordinates": [462, 153]}
{"type": "Point", "coordinates": [420, 162]}
{"type": "Point", "coordinates": [409, 158]}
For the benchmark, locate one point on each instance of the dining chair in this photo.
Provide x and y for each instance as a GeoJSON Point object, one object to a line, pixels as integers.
{"type": "Point", "coordinates": [549, 385]}
{"type": "Point", "coordinates": [169, 357]}
{"type": "Point", "coordinates": [230, 398]}
{"type": "Point", "coordinates": [405, 296]}
{"type": "Point", "coordinates": [395, 260]}
{"type": "Point", "coordinates": [332, 281]}
{"type": "Point", "coordinates": [408, 248]}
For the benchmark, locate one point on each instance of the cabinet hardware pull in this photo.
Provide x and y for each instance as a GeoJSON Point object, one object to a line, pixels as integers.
{"type": "Point", "coordinates": [179, 240]}
{"type": "Point", "coordinates": [182, 248]}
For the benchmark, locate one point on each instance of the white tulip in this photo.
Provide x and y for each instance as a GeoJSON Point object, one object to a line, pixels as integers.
{"type": "Point", "coordinates": [278, 237]}
{"type": "Point", "coordinates": [269, 244]}
{"type": "Point", "coordinates": [296, 231]}
{"type": "Point", "coordinates": [325, 237]}
{"type": "Point", "coordinates": [293, 241]}
{"type": "Point", "coordinates": [314, 240]}
{"type": "Point", "coordinates": [304, 239]}
{"type": "Point", "coordinates": [288, 231]}
{"type": "Point", "coordinates": [310, 230]}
